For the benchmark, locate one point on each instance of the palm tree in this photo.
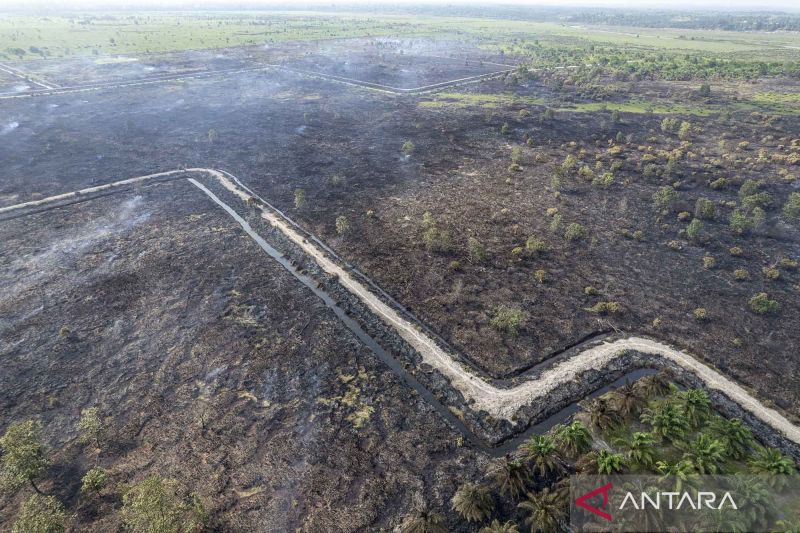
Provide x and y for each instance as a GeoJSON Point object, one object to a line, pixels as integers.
{"type": "Point", "coordinates": [629, 399]}
{"type": "Point", "coordinates": [757, 505]}
{"type": "Point", "coordinates": [509, 475]}
{"type": "Point", "coordinates": [497, 527]}
{"type": "Point", "coordinates": [573, 439]}
{"type": "Point", "coordinates": [609, 462]}
{"type": "Point", "coordinates": [587, 463]}
{"type": "Point", "coordinates": [423, 522]}
{"type": "Point", "coordinates": [473, 502]}
{"type": "Point", "coordinates": [737, 437]}
{"type": "Point", "coordinates": [602, 414]}
{"type": "Point", "coordinates": [541, 451]}
{"type": "Point", "coordinates": [545, 512]}
{"type": "Point", "coordinates": [641, 449]}
{"type": "Point", "coordinates": [774, 464]}
{"type": "Point", "coordinates": [680, 471]}
{"type": "Point", "coordinates": [706, 453]}
{"type": "Point", "coordinates": [667, 419]}
{"type": "Point", "coordinates": [655, 384]}
{"type": "Point", "coordinates": [696, 405]}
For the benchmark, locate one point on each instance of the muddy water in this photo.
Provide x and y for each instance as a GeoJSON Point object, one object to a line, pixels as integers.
{"type": "Point", "coordinates": [495, 451]}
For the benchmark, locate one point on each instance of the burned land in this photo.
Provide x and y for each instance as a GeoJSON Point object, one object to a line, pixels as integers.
{"type": "Point", "coordinates": [517, 216]}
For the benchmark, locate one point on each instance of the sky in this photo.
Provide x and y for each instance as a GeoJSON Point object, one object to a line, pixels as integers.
{"type": "Point", "coordinates": [721, 5]}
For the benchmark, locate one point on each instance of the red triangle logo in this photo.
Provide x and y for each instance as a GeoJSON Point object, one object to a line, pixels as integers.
{"type": "Point", "coordinates": [581, 501]}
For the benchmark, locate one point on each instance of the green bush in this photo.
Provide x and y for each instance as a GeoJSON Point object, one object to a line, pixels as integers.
{"type": "Point", "coordinates": [604, 181]}
{"type": "Point", "coordinates": [791, 209]}
{"type": "Point", "coordinates": [605, 308]}
{"type": "Point", "coordinates": [664, 197]}
{"type": "Point", "coordinates": [155, 505]}
{"type": "Point", "coordinates": [761, 304]}
{"type": "Point", "coordinates": [40, 514]}
{"type": "Point", "coordinates": [94, 480]}
{"type": "Point", "coordinates": [574, 232]}
{"type": "Point", "coordinates": [705, 209]}
{"type": "Point", "coordinates": [741, 274]}
{"type": "Point", "coordinates": [299, 198]}
{"type": "Point", "coordinates": [535, 245]}
{"type": "Point", "coordinates": [508, 319]}
{"type": "Point", "coordinates": [408, 148]}
{"type": "Point", "coordinates": [476, 250]}
{"type": "Point", "coordinates": [342, 225]}
{"type": "Point", "coordinates": [694, 229]}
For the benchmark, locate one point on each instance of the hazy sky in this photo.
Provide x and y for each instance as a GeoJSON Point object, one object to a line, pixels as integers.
{"type": "Point", "coordinates": [721, 5]}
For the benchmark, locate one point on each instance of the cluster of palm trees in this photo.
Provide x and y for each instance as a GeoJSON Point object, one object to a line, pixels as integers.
{"type": "Point", "coordinates": [631, 429]}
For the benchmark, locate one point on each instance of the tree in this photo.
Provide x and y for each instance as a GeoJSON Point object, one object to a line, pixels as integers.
{"type": "Point", "coordinates": [155, 505]}
{"type": "Point", "coordinates": [602, 414]}
{"type": "Point", "coordinates": [685, 131]}
{"type": "Point", "coordinates": [694, 229]}
{"type": "Point", "coordinates": [628, 398]}
{"type": "Point", "coordinates": [342, 225]}
{"type": "Point", "coordinates": [574, 439]}
{"type": "Point", "coordinates": [473, 502]}
{"type": "Point", "coordinates": [90, 427]}
{"type": "Point", "coordinates": [773, 463]}
{"type": "Point", "coordinates": [680, 471]}
{"type": "Point", "coordinates": [641, 449]}
{"type": "Point", "coordinates": [94, 481]}
{"type": "Point", "coordinates": [609, 462]}
{"type": "Point", "coordinates": [408, 148]}
{"type": "Point", "coordinates": [705, 209]}
{"type": "Point", "coordinates": [655, 384]}
{"type": "Point", "coordinates": [540, 451]}
{"type": "Point", "coordinates": [734, 434]}
{"type": "Point", "coordinates": [40, 514]}
{"type": "Point", "coordinates": [574, 232]}
{"type": "Point", "coordinates": [706, 453]}
{"type": "Point", "coordinates": [24, 456]}
{"type": "Point", "coordinates": [545, 511]}
{"type": "Point", "coordinates": [299, 198]}
{"type": "Point", "coordinates": [696, 405]}
{"type": "Point", "coordinates": [423, 522]}
{"type": "Point", "coordinates": [667, 420]}
{"type": "Point", "coordinates": [509, 476]}
{"type": "Point", "coordinates": [497, 527]}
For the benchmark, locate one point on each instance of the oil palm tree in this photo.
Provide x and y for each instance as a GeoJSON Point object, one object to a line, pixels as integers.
{"type": "Point", "coordinates": [667, 420]}
{"type": "Point", "coordinates": [706, 453]}
{"type": "Point", "coordinates": [737, 437]}
{"type": "Point", "coordinates": [497, 527]}
{"type": "Point", "coordinates": [573, 439]}
{"type": "Point", "coordinates": [772, 463]}
{"type": "Point", "coordinates": [641, 449]}
{"type": "Point", "coordinates": [423, 522]}
{"type": "Point", "coordinates": [510, 476]}
{"type": "Point", "coordinates": [545, 512]}
{"type": "Point", "coordinates": [655, 384]}
{"type": "Point", "coordinates": [681, 471]}
{"type": "Point", "coordinates": [609, 462]}
{"type": "Point", "coordinates": [540, 451]}
{"type": "Point", "coordinates": [587, 463]}
{"type": "Point", "coordinates": [473, 502]}
{"type": "Point", "coordinates": [696, 405]}
{"type": "Point", "coordinates": [603, 414]}
{"type": "Point", "coordinates": [629, 399]}
{"type": "Point", "coordinates": [755, 502]}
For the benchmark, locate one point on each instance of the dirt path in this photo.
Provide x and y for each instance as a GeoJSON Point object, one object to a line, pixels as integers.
{"type": "Point", "coordinates": [498, 402]}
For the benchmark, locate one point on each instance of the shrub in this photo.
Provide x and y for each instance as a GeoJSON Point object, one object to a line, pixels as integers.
{"type": "Point", "coordinates": [605, 308]}
{"type": "Point", "coordinates": [535, 245]}
{"type": "Point", "coordinates": [604, 181]}
{"type": "Point", "coordinates": [454, 265]}
{"type": "Point", "coordinates": [741, 222]}
{"type": "Point", "coordinates": [772, 273]}
{"type": "Point", "coordinates": [155, 505]}
{"type": "Point", "coordinates": [94, 480]}
{"type": "Point", "coordinates": [700, 313]}
{"type": "Point", "coordinates": [685, 131]}
{"type": "Point", "coordinates": [705, 209]}
{"type": "Point", "coordinates": [513, 167]}
{"type": "Point", "coordinates": [552, 211]}
{"type": "Point", "coordinates": [709, 262]}
{"type": "Point", "coordinates": [761, 199]}
{"type": "Point", "coordinates": [585, 172]}
{"type": "Point", "coordinates": [718, 183]}
{"type": "Point", "coordinates": [508, 319]}
{"type": "Point", "coordinates": [24, 457]}
{"type": "Point", "coordinates": [638, 235]}
{"type": "Point", "coordinates": [555, 224]}
{"type": "Point", "coordinates": [736, 251]}
{"type": "Point", "coordinates": [505, 128]}
{"type": "Point", "coordinates": [574, 232]}
{"type": "Point", "coordinates": [516, 155]}
{"type": "Point", "coordinates": [791, 209]}
{"type": "Point", "coordinates": [40, 514]}
{"type": "Point", "coordinates": [589, 290]}
{"type": "Point", "coordinates": [664, 197]}
{"type": "Point", "coordinates": [516, 252]}
{"type": "Point", "coordinates": [342, 225]}
{"type": "Point", "coordinates": [540, 275]}
{"type": "Point", "coordinates": [741, 274]}
{"type": "Point", "coordinates": [64, 332]}
{"type": "Point", "coordinates": [569, 163]}
{"type": "Point", "coordinates": [477, 253]}
{"type": "Point", "coordinates": [788, 264]}
{"type": "Point", "coordinates": [408, 148]}
{"type": "Point", "coordinates": [694, 229]}
{"type": "Point", "coordinates": [763, 305]}
{"type": "Point", "coordinates": [299, 198]}
{"type": "Point", "coordinates": [684, 215]}
{"type": "Point", "coordinates": [90, 427]}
